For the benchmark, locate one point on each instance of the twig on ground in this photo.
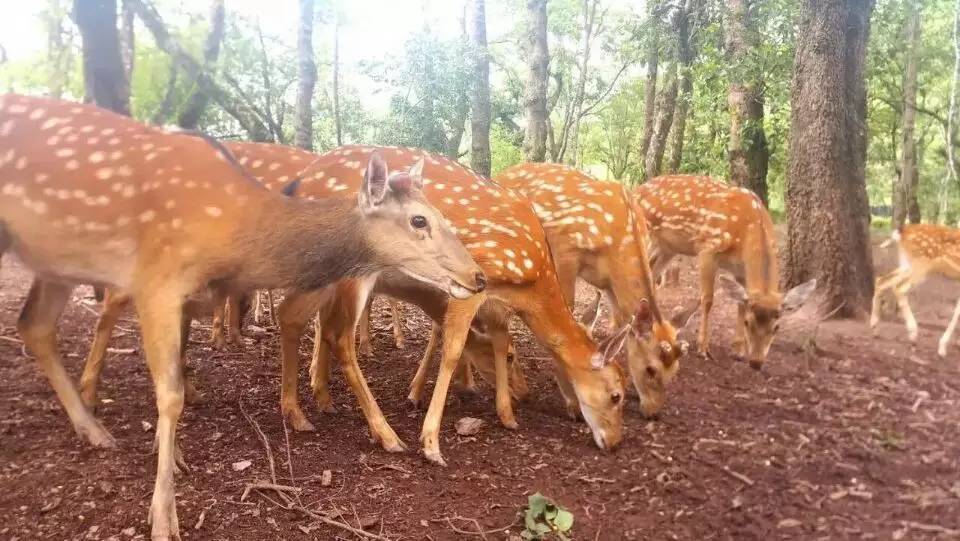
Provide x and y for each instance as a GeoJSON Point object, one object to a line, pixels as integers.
{"type": "Point", "coordinates": [933, 528]}
{"type": "Point", "coordinates": [739, 476]}
{"type": "Point", "coordinates": [263, 439]}
{"type": "Point", "coordinates": [480, 531]}
{"type": "Point", "coordinates": [268, 486]}
{"type": "Point", "coordinates": [286, 437]}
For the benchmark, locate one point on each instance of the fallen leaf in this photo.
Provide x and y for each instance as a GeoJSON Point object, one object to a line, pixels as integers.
{"type": "Point", "coordinates": [131, 531]}
{"type": "Point", "coordinates": [242, 465]}
{"type": "Point", "coordinates": [146, 426]}
{"type": "Point", "coordinates": [326, 478]}
{"type": "Point", "coordinates": [469, 426]}
{"type": "Point", "coordinates": [788, 523]}
{"type": "Point", "coordinates": [737, 502]}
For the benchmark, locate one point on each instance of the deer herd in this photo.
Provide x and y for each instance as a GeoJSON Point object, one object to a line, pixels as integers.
{"type": "Point", "coordinates": [180, 226]}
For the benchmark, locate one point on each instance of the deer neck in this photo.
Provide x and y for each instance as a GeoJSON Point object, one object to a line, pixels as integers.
{"type": "Point", "coordinates": [305, 245]}
{"type": "Point", "coordinates": [557, 330]}
{"type": "Point", "coordinates": [760, 268]}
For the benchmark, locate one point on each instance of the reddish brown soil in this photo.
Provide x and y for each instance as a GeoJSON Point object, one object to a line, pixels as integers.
{"type": "Point", "coordinates": [858, 441]}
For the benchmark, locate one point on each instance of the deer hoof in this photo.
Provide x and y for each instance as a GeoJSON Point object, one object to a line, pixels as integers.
{"type": "Point", "coordinates": [434, 457]}
{"type": "Point", "coordinates": [299, 422]}
{"type": "Point", "coordinates": [98, 436]}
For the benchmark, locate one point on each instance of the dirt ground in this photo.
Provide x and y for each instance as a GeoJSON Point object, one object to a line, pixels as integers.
{"type": "Point", "coordinates": [857, 440]}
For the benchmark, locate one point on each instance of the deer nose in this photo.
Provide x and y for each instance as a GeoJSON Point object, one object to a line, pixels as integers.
{"type": "Point", "coordinates": [481, 280]}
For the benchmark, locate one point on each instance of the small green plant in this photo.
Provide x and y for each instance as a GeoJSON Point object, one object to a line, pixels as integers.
{"type": "Point", "coordinates": [544, 518]}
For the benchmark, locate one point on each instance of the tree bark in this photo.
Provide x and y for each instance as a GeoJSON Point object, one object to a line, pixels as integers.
{"type": "Point", "coordinates": [905, 204]}
{"type": "Point", "coordinates": [571, 120]}
{"type": "Point", "coordinates": [685, 56]}
{"type": "Point", "coordinates": [197, 101]}
{"type": "Point", "coordinates": [535, 91]}
{"type": "Point", "coordinates": [59, 54]}
{"type": "Point", "coordinates": [666, 104]}
{"type": "Point", "coordinates": [104, 81]}
{"type": "Point", "coordinates": [480, 107]}
{"type": "Point", "coordinates": [747, 147]}
{"type": "Point", "coordinates": [127, 41]}
{"type": "Point", "coordinates": [462, 107]}
{"type": "Point", "coordinates": [828, 214]}
{"type": "Point", "coordinates": [337, 117]}
{"type": "Point", "coordinates": [307, 75]}
{"type": "Point", "coordinates": [248, 119]}
{"type": "Point", "coordinates": [650, 88]}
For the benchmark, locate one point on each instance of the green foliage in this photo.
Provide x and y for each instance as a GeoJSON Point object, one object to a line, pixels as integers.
{"type": "Point", "coordinates": [544, 518]}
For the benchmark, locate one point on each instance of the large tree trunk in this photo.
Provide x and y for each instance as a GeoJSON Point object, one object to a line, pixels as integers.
{"type": "Point", "coordinates": [337, 117]}
{"type": "Point", "coordinates": [197, 101]}
{"type": "Point", "coordinates": [747, 147]}
{"type": "Point", "coordinates": [905, 190]}
{"type": "Point", "coordinates": [128, 51]}
{"type": "Point", "coordinates": [685, 55]}
{"type": "Point", "coordinates": [828, 227]}
{"type": "Point", "coordinates": [307, 74]}
{"type": "Point", "coordinates": [535, 89]}
{"type": "Point", "coordinates": [650, 88]}
{"type": "Point", "coordinates": [480, 106]}
{"type": "Point", "coordinates": [249, 119]}
{"type": "Point", "coordinates": [104, 81]}
{"type": "Point", "coordinates": [666, 104]}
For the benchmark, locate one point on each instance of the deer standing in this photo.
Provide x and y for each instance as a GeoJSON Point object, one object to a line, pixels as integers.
{"type": "Point", "coordinates": [506, 239]}
{"type": "Point", "coordinates": [727, 228]}
{"type": "Point", "coordinates": [595, 233]}
{"type": "Point", "coordinates": [88, 196]}
{"type": "Point", "coordinates": [924, 249]}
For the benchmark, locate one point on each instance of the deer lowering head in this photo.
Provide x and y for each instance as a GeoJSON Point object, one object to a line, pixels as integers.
{"type": "Point", "coordinates": [725, 228]}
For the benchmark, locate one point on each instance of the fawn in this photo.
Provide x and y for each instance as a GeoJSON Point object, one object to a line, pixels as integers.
{"type": "Point", "coordinates": [88, 196]}
{"type": "Point", "coordinates": [727, 228]}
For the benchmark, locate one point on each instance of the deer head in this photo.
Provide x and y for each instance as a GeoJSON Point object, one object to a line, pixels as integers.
{"type": "Point", "coordinates": [760, 314]}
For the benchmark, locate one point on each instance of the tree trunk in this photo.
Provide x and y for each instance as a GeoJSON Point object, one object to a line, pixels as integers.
{"type": "Point", "coordinates": [59, 54]}
{"type": "Point", "coordinates": [337, 118]}
{"type": "Point", "coordinates": [650, 88]}
{"type": "Point", "coordinates": [747, 147]}
{"type": "Point", "coordinates": [828, 228]}
{"type": "Point", "coordinates": [535, 90]}
{"type": "Point", "coordinates": [462, 106]}
{"type": "Point", "coordinates": [197, 101]}
{"type": "Point", "coordinates": [685, 55]}
{"type": "Point", "coordinates": [307, 74]}
{"type": "Point", "coordinates": [571, 120]}
{"type": "Point", "coordinates": [905, 195]}
{"type": "Point", "coordinates": [242, 112]}
{"type": "Point", "coordinates": [104, 81]}
{"type": "Point", "coordinates": [480, 119]}
{"type": "Point", "coordinates": [127, 41]}
{"type": "Point", "coordinates": [666, 104]}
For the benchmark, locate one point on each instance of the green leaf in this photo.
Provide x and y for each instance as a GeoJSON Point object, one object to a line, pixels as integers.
{"type": "Point", "coordinates": [550, 513]}
{"type": "Point", "coordinates": [542, 528]}
{"type": "Point", "coordinates": [564, 520]}
{"type": "Point", "coordinates": [537, 503]}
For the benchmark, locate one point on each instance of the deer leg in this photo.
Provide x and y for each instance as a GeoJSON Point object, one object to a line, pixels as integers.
{"type": "Point", "coordinates": [113, 305]}
{"type": "Point", "coordinates": [257, 302]}
{"type": "Point", "coordinates": [420, 378]}
{"type": "Point", "coordinates": [945, 339]}
{"type": "Point", "coordinates": [570, 400]}
{"type": "Point", "coordinates": [161, 316]}
{"type": "Point", "coordinates": [320, 370]}
{"type": "Point", "coordinates": [500, 336]}
{"type": "Point", "coordinates": [883, 283]}
{"type": "Point", "coordinates": [456, 326]}
{"type": "Point", "coordinates": [219, 308]}
{"type": "Point", "coordinates": [739, 340]}
{"type": "Point", "coordinates": [294, 313]}
{"type": "Point", "coordinates": [900, 292]}
{"type": "Point", "coordinates": [190, 393]}
{"type": "Point", "coordinates": [234, 316]}
{"type": "Point", "coordinates": [38, 326]}
{"type": "Point", "coordinates": [396, 311]}
{"type": "Point", "coordinates": [567, 269]}
{"type": "Point", "coordinates": [363, 329]}
{"type": "Point", "coordinates": [708, 272]}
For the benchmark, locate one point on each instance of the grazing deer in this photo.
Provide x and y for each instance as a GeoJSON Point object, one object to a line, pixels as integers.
{"type": "Point", "coordinates": [88, 196]}
{"type": "Point", "coordinates": [506, 239]}
{"type": "Point", "coordinates": [595, 233]}
{"type": "Point", "coordinates": [724, 228]}
{"type": "Point", "coordinates": [924, 249]}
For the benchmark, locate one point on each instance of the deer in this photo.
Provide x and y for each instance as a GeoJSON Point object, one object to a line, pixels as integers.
{"type": "Point", "coordinates": [726, 228]}
{"type": "Point", "coordinates": [505, 238]}
{"type": "Point", "coordinates": [596, 233]}
{"type": "Point", "coordinates": [923, 249]}
{"type": "Point", "coordinates": [91, 197]}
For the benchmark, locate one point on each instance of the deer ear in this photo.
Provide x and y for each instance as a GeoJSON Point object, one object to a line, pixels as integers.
{"type": "Point", "coordinates": [416, 174]}
{"type": "Point", "coordinates": [734, 288]}
{"type": "Point", "coordinates": [374, 187]}
{"type": "Point", "coordinates": [798, 296]}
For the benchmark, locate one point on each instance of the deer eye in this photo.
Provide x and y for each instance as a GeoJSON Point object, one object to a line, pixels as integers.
{"type": "Point", "coordinates": [509, 358]}
{"type": "Point", "coordinates": [615, 398]}
{"type": "Point", "coordinates": [418, 222]}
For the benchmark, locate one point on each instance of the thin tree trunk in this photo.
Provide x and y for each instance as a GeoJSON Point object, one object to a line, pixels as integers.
{"type": "Point", "coordinates": [58, 50]}
{"type": "Point", "coordinates": [127, 41]}
{"type": "Point", "coordinates": [462, 106]}
{"type": "Point", "coordinates": [650, 88]}
{"type": "Point", "coordinates": [307, 74]}
{"type": "Point", "coordinates": [747, 146]}
{"type": "Point", "coordinates": [197, 101]}
{"type": "Point", "coordinates": [828, 227]}
{"type": "Point", "coordinates": [480, 119]}
{"type": "Point", "coordinates": [104, 80]}
{"type": "Point", "coordinates": [535, 89]}
{"type": "Point", "coordinates": [666, 104]}
{"type": "Point", "coordinates": [685, 54]}
{"type": "Point", "coordinates": [166, 104]}
{"type": "Point", "coordinates": [905, 195]}
{"type": "Point", "coordinates": [248, 118]}
{"type": "Point", "coordinates": [337, 118]}
{"type": "Point", "coordinates": [950, 176]}
{"type": "Point", "coordinates": [571, 121]}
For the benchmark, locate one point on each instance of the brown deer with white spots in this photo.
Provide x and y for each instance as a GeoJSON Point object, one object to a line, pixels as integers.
{"type": "Point", "coordinates": [88, 196]}
{"type": "Point", "coordinates": [597, 234]}
{"type": "Point", "coordinates": [505, 238]}
{"type": "Point", "coordinates": [923, 249]}
{"type": "Point", "coordinates": [727, 228]}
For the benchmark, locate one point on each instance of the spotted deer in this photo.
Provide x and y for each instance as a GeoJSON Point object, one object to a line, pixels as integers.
{"type": "Point", "coordinates": [923, 249]}
{"type": "Point", "coordinates": [88, 196]}
{"type": "Point", "coordinates": [597, 234]}
{"type": "Point", "coordinates": [727, 228]}
{"type": "Point", "coordinates": [506, 240]}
